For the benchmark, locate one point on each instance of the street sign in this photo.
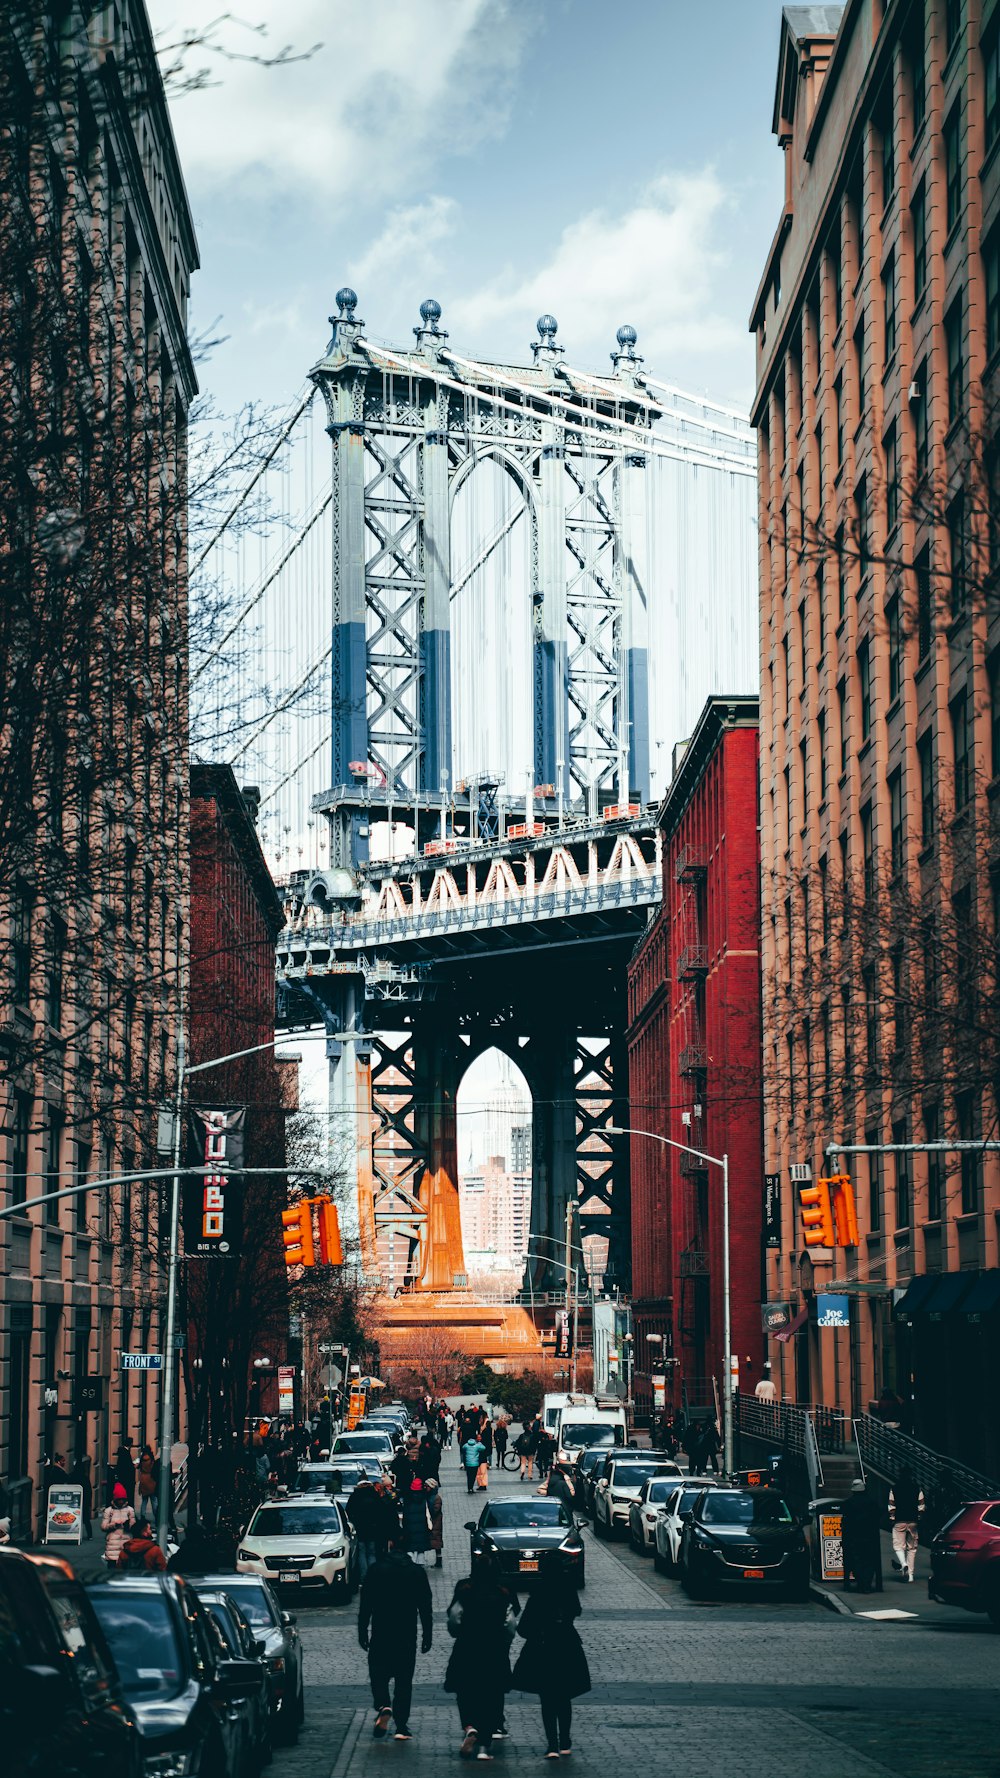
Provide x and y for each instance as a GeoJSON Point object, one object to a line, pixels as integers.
{"type": "Point", "coordinates": [772, 1209]}
{"type": "Point", "coordinates": [286, 1388]}
{"type": "Point", "coordinates": [659, 1383]}
{"type": "Point", "coordinates": [88, 1395]}
{"type": "Point", "coordinates": [64, 1514]}
{"type": "Point", "coordinates": [141, 1361]}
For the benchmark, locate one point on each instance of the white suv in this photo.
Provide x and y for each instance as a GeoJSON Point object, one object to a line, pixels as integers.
{"type": "Point", "coordinates": [302, 1544]}
{"type": "Point", "coordinates": [620, 1485]}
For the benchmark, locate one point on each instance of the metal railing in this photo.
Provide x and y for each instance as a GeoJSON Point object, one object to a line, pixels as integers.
{"type": "Point", "coordinates": [887, 1452]}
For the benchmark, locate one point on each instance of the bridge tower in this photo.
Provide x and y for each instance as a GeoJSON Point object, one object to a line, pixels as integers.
{"type": "Point", "coordinates": [407, 1008]}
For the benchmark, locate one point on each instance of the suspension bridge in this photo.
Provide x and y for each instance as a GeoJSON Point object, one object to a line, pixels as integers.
{"type": "Point", "coordinates": [472, 641]}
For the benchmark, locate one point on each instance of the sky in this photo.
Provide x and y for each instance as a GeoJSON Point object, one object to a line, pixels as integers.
{"type": "Point", "coordinates": [507, 157]}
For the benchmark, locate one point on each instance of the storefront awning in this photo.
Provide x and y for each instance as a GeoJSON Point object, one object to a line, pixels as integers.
{"type": "Point", "coordinates": [984, 1297]}
{"type": "Point", "coordinates": [947, 1294]}
{"type": "Point", "coordinates": [915, 1295]}
{"type": "Point", "coordinates": [796, 1322]}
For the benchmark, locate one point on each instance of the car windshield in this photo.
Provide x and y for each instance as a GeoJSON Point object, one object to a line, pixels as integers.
{"type": "Point", "coordinates": [765, 1508]}
{"type": "Point", "coordinates": [519, 1515]}
{"type": "Point", "coordinates": [659, 1490]}
{"type": "Point", "coordinates": [255, 1603]}
{"type": "Point", "coordinates": [587, 1459]}
{"type": "Point", "coordinates": [327, 1479]}
{"type": "Point", "coordinates": [586, 1433]}
{"type": "Point", "coordinates": [631, 1475]}
{"type": "Point", "coordinates": [362, 1441]}
{"type": "Point", "coordinates": [143, 1639]}
{"type": "Point", "coordinates": [294, 1521]}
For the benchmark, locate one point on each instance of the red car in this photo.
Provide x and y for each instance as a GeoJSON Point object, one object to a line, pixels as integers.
{"type": "Point", "coordinates": [965, 1560]}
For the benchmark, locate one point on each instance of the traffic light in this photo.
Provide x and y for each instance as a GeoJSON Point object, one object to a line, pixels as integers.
{"type": "Point", "coordinates": [844, 1210]}
{"type": "Point", "coordinates": [331, 1250]}
{"type": "Point", "coordinates": [297, 1233]}
{"type": "Point", "coordinates": [817, 1214]}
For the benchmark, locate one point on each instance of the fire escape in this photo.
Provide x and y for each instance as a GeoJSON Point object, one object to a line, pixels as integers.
{"type": "Point", "coordinates": [690, 871]}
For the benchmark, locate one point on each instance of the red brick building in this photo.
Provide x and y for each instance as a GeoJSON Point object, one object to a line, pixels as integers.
{"type": "Point", "coordinates": [237, 1309]}
{"type": "Point", "coordinates": [694, 1067]}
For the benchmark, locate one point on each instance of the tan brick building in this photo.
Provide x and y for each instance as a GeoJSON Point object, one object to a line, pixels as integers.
{"type": "Point", "coordinates": [96, 254]}
{"type": "Point", "coordinates": [878, 340]}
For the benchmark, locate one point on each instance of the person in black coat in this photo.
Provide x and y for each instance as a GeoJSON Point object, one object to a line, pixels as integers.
{"type": "Point", "coordinates": [395, 1593]}
{"type": "Point", "coordinates": [552, 1662]}
{"type": "Point", "coordinates": [481, 1618]}
{"type": "Point", "coordinates": [860, 1523]}
{"type": "Point", "coordinates": [429, 1459]}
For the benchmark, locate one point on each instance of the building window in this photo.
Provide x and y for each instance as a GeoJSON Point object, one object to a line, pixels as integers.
{"type": "Point", "coordinates": [54, 980]}
{"type": "Point", "coordinates": [838, 556]}
{"type": "Point", "coordinates": [874, 1184]}
{"type": "Point", "coordinates": [925, 760]}
{"type": "Point", "coordinates": [19, 1139]}
{"type": "Point", "coordinates": [836, 277]}
{"type": "Point", "coordinates": [894, 631]}
{"type": "Point", "coordinates": [838, 418]}
{"type": "Point", "coordinates": [889, 305]}
{"type": "Point", "coordinates": [952, 24]}
{"type": "Point", "coordinates": [970, 1159]}
{"type": "Point", "coordinates": [861, 521]}
{"type": "Point", "coordinates": [929, 946]}
{"type": "Point", "coordinates": [53, 1150]}
{"type": "Point", "coordinates": [953, 166]}
{"type": "Point", "coordinates": [925, 608]}
{"type": "Point", "coordinates": [891, 479]}
{"type": "Point", "coordinates": [955, 347]}
{"type": "Point", "coordinates": [84, 1158]}
{"type": "Point", "coordinates": [991, 270]}
{"type": "Point", "coordinates": [821, 609]}
{"type": "Point", "coordinates": [919, 76]}
{"type": "Point", "coordinates": [994, 678]}
{"type": "Point", "coordinates": [962, 744]}
{"type": "Point", "coordinates": [842, 724]}
{"type": "Point", "coordinates": [888, 149]}
{"type": "Point", "coordinates": [846, 1031]}
{"type": "Point", "coordinates": [861, 364]}
{"type": "Point", "coordinates": [991, 81]}
{"type": "Point", "coordinates": [934, 1194]}
{"type": "Point", "coordinates": [918, 217]}
{"type": "Point", "coordinates": [918, 408]}
{"type": "Point", "coordinates": [898, 1000]}
{"type": "Point", "coordinates": [821, 749]}
{"type": "Point", "coordinates": [865, 682]}
{"type": "Point", "coordinates": [896, 821]}
{"type": "Point", "coordinates": [903, 1200]}
{"type": "Point", "coordinates": [824, 901]}
{"type": "Point", "coordinates": [20, 950]}
{"type": "Point", "coordinates": [957, 554]}
{"type": "Point", "coordinates": [868, 852]}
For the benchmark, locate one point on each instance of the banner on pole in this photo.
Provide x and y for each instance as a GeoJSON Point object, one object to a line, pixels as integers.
{"type": "Point", "coordinates": [213, 1197]}
{"type": "Point", "coordinates": [772, 1209]}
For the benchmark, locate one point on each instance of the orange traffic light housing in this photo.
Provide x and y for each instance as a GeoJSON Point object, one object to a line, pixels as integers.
{"type": "Point", "coordinates": [817, 1214]}
{"type": "Point", "coordinates": [845, 1213]}
{"type": "Point", "coordinates": [331, 1251]}
{"type": "Point", "coordinates": [297, 1234]}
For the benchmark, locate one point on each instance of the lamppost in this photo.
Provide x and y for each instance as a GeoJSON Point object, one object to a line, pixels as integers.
{"type": "Point", "coordinates": [722, 1161]}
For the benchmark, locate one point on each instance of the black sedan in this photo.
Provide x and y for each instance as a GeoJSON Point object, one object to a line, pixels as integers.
{"type": "Point", "coordinates": [237, 1642]}
{"type": "Point", "coordinates": [519, 1532]}
{"type": "Point", "coordinates": [191, 1703]}
{"type": "Point", "coordinates": [743, 1538]}
{"type": "Point", "coordinates": [282, 1647]}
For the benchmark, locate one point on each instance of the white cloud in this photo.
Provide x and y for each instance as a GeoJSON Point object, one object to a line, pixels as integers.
{"type": "Point", "coordinates": [395, 82]}
{"type": "Point", "coordinates": [660, 265]}
{"type": "Point", "coordinates": [408, 245]}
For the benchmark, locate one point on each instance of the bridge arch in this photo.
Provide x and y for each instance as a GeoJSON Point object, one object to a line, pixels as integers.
{"type": "Point", "coordinates": [494, 1110]}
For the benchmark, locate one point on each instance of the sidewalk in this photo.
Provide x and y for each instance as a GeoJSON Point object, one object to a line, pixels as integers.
{"type": "Point", "coordinates": [899, 1601]}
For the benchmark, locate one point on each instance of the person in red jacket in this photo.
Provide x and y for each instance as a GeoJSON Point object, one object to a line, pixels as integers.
{"type": "Point", "coordinates": [142, 1554]}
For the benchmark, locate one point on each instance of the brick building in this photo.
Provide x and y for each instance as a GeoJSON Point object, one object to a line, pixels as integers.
{"type": "Point", "coordinates": [878, 326]}
{"type": "Point", "coordinates": [96, 254]}
{"type": "Point", "coordinates": [694, 1067]}
{"type": "Point", "coordinates": [237, 1308]}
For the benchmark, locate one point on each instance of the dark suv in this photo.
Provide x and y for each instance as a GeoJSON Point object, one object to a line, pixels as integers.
{"type": "Point", "coordinates": [743, 1538]}
{"type": "Point", "coordinates": [62, 1708]}
{"type": "Point", "coordinates": [965, 1560]}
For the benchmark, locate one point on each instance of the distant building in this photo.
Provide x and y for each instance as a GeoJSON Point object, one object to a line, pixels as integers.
{"type": "Point", "coordinates": [496, 1213]}
{"type": "Point", "coordinates": [694, 1069]}
{"type": "Point", "coordinates": [520, 1148]}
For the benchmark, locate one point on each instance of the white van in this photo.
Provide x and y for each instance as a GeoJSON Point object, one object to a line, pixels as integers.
{"type": "Point", "coordinates": [584, 1421]}
{"type": "Point", "coordinates": [552, 1407]}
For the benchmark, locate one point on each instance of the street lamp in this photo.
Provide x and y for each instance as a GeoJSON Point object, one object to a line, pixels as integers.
{"type": "Point", "coordinates": [727, 1375]}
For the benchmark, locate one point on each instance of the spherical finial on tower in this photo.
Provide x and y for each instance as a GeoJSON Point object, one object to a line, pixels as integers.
{"type": "Point", "coordinates": [430, 312]}
{"type": "Point", "coordinates": [548, 327]}
{"type": "Point", "coordinates": [626, 336]}
{"type": "Point", "coordinates": [347, 302]}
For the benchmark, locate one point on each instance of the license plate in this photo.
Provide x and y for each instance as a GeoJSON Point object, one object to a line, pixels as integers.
{"type": "Point", "coordinates": [288, 1574]}
{"type": "Point", "coordinates": [528, 1567]}
{"type": "Point", "coordinates": [753, 1574]}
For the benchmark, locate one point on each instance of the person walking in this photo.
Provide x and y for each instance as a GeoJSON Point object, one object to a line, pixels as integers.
{"type": "Point", "coordinates": [552, 1661]}
{"type": "Point", "coordinates": [364, 1512]}
{"type": "Point", "coordinates": [395, 1594]}
{"type": "Point", "coordinates": [140, 1553]}
{"type": "Point", "coordinates": [449, 1428]}
{"type": "Point", "coordinates": [416, 1524]}
{"type": "Point", "coordinates": [429, 1458]}
{"type": "Point", "coordinates": [501, 1433]}
{"type": "Point", "coordinates": [906, 1503]}
{"type": "Point", "coordinates": [402, 1469]}
{"type": "Point", "coordinates": [545, 1450]}
{"type": "Point", "coordinates": [123, 1471]}
{"type": "Point", "coordinates": [525, 1448]}
{"type": "Point", "coordinates": [481, 1617]}
{"type": "Point", "coordinates": [473, 1452]}
{"type": "Point", "coordinates": [148, 1485]}
{"type": "Point", "coordinates": [117, 1523]}
{"type": "Point", "coordinates": [691, 1444]}
{"type": "Point", "coordinates": [435, 1514]}
{"type": "Point", "coordinates": [860, 1533]}
{"type": "Point", "coordinates": [709, 1446]}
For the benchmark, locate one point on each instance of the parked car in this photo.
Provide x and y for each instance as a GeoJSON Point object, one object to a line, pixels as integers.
{"type": "Point", "coordinates": [517, 1532]}
{"type": "Point", "coordinates": [339, 1478]}
{"type": "Point", "coordinates": [965, 1560]}
{"type": "Point", "coordinates": [743, 1538]}
{"type": "Point", "coordinates": [600, 1468]}
{"type": "Point", "coordinates": [670, 1523]}
{"type": "Point", "coordinates": [62, 1704]}
{"type": "Point", "coordinates": [619, 1486]}
{"type": "Point", "coordinates": [282, 1646]}
{"type": "Point", "coordinates": [583, 1469]}
{"type": "Point", "coordinates": [645, 1510]}
{"type": "Point", "coordinates": [301, 1544]}
{"type": "Point", "coordinates": [237, 1642]}
{"type": "Point", "coordinates": [361, 1443]}
{"type": "Point", "coordinates": [191, 1703]}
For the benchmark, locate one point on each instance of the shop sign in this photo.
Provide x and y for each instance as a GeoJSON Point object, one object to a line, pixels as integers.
{"type": "Point", "coordinates": [831, 1546]}
{"type": "Point", "coordinates": [286, 1388]}
{"type": "Point", "coordinates": [213, 1196]}
{"type": "Point", "coordinates": [832, 1311]}
{"type": "Point", "coordinates": [659, 1391]}
{"type": "Point", "coordinates": [772, 1209]}
{"type": "Point", "coordinates": [88, 1395]}
{"type": "Point", "coordinates": [64, 1514]}
{"type": "Point", "coordinates": [775, 1316]}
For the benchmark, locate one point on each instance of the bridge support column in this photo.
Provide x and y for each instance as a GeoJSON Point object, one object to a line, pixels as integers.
{"type": "Point", "coordinates": [436, 1075]}
{"type": "Point", "coordinates": [635, 570]}
{"type": "Point", "coordinates": [550, 639]}
{"type": "Point", "coordinates": [618, 1272]}
{"type": "Point", "coordinates": [349, 642]}
{"type": "Point", "coordinates": [553, 1155]}
{"type": "Point", "coordinates": [435, 639]}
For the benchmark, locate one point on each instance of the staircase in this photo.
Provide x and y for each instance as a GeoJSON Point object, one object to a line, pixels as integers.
{"type": "Point", "coordinates": [884, 1452]}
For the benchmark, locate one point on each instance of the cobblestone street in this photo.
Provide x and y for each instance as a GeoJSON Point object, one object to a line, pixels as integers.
{"type": "Point", "coordinates": [696, 1689]}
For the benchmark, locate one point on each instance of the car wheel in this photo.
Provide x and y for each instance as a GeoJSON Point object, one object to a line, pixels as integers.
{"type": "Point", "coordinates": [658, 1562]}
